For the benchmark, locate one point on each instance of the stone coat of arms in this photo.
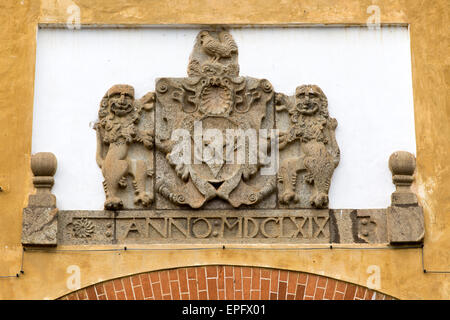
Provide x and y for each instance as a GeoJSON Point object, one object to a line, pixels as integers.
{"type": "Point", "coordinates": [222, 115]}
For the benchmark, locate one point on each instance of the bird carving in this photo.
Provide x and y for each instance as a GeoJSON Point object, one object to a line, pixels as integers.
{"type": "Point", "coordinates": [218, 48]}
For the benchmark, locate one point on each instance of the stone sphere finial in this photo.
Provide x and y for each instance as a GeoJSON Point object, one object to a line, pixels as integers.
{"type": "Point", "coordinates": [402, 163]}
{"type": "Point", "coordinates": [40, 223]}
{"type": "Point", "coordinates": [43, 164]}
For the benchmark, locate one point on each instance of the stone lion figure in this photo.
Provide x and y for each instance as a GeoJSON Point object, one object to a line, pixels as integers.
{"type": "Point", "coordinates": [310, 124]}
{"type": "Point", "coordinates": [117, 128]}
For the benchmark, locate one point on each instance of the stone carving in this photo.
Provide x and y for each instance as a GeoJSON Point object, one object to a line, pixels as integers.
{"type": "Point", "coordinates": [214, 55]}
{"type": "Point", "coordinates": [307, 226]}
{"type": "Point", "coordinates": [404, 216]}
{"type": "Point", "coordinates": [123, 123]}
{"type": "Point", "coordinates": [315, 153]}
{"type": "Point", "coordinates": [367, 227]}
{"type": "Point", "coordinates": [87, 227]}
{"type": "Point", "coordinates": [40, 224]}
{"type": "Point", "coordinates": [213, 98]}
{"type": "Point", "coordinates": [231, 226]}
{"type": "Point", "coordinates": [358, 226]}
{"type": "Point", "coordinates": [401, 223]}
{"type": "Point", "coordinates": [83, 228]}
{"type": "Point", "coordinates": [220, 122]}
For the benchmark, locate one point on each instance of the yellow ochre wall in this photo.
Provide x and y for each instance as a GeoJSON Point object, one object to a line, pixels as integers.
{"type": "Point", "coordinates": [45, 273]}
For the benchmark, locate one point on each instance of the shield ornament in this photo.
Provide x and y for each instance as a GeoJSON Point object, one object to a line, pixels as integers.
{"type": "Point", "coordinates": [232, 106]}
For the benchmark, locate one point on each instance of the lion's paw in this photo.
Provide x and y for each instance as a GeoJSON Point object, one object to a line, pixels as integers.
{"type": "Point", "coordinates": [319, 200]}
{"type": "Point", "coordinates": [113, 203]}
{"type": "Point", "coordinates": [143, 198]}
{"type": "Point", "coordinates": [289, 196]}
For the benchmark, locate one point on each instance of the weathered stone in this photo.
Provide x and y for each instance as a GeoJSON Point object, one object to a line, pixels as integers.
{"type": "Point", "coordinates": [358, 226]}
{"type": "Point", "coordinates": [43, 166]}
{"type": "Point", "coordinates": [404, 216]}
{"type": "Point", "coordinates": [214, 54]}
{"type": "Point", "coordinates": [39, 226]}
{"type": "Point", "coordinates": [286, 226]}
{"type": "Point", "coordinates": [194, 117]}
{"type": "Point", "coordinates": [209, 141]}
{"type": "Point", "coordinates": [213, 99]}
{"type": "Point", "coordinates": [86, 227]}
{"type": "Point", "coordinates": [39, 219]}
{"type": "Point", "coordinates": [402, 165]}
{"type": "Point", "coordinates": [124, 143]}
{"type": "Point", "coordinates": [41, 200]}
{"type": "Point", "coordinates": [193, 226]}
{"type": "Point", "coordinates": [405, 224]}
{"type": "Point", "coordinates": [310, 152]}
{"type": "Point", "coordinates": [225, 226]}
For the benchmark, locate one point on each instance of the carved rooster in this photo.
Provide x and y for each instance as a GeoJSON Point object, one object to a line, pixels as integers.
{"type": "Point", "coordinates": [221, 48]}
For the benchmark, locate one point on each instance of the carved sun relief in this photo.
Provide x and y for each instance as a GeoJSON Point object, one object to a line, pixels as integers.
{"type": "Point", "coordinates": [214, 98]}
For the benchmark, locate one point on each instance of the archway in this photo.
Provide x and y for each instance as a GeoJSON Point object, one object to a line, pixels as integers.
{"type": "Point", "coordinates": [220, 282]}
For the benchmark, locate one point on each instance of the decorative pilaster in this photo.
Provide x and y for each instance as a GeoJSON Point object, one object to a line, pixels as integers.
{"type": "Point", "coordinates": [404, 216]}
{"type": "Point", "coordinates": [39, 226]}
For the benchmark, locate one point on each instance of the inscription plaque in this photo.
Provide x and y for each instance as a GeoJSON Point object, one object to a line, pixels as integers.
{"type": "Point", "coordinates": [223, 226]}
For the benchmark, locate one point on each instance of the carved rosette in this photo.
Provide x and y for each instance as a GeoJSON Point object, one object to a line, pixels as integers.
{"type": "Point", "coordinates": [83, 228]}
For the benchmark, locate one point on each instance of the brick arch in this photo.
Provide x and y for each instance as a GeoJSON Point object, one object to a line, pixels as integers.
{"type": "Point", "coordinates": [225, 282]}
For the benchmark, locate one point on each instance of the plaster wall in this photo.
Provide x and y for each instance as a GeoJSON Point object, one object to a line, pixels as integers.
{"type": "Point", "coordinates": [365, 73]}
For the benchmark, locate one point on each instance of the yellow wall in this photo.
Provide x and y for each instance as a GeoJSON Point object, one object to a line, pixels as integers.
{"type": "Point", "coordinates": [401, 270]}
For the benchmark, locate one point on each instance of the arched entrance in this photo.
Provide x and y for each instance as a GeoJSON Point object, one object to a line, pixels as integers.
{"type": "Point", "coordinates": [225, 282]}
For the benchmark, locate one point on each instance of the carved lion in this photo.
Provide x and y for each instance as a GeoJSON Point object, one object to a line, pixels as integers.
{"type": "Point", "coordinates": [310, 124]}
{"type": "Point", "coordinates": [116, 129]}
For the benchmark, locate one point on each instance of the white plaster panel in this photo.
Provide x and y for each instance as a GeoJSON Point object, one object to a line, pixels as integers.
{"type": "Point", "coordinates": [366, 75]}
